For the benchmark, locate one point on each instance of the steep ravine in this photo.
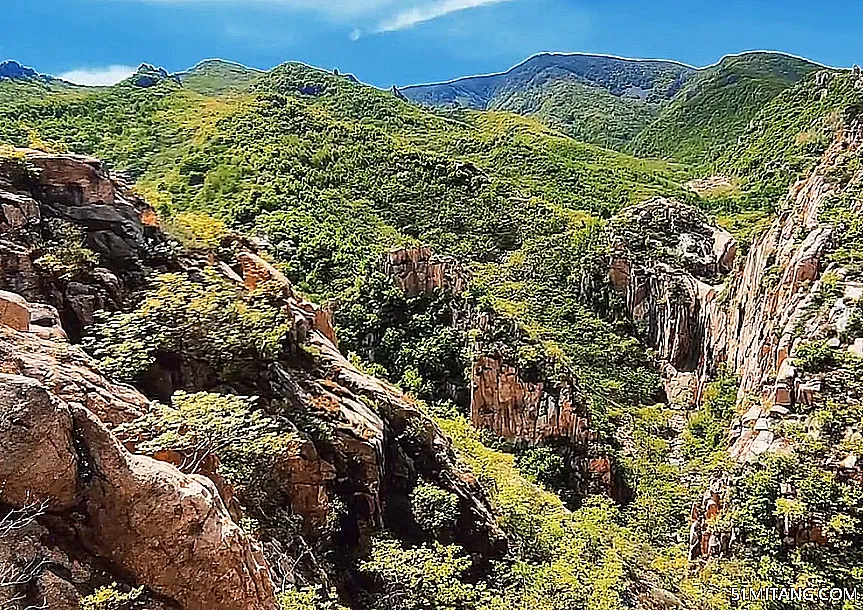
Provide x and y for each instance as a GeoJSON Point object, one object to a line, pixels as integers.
{"type": "Point", "coordinates": [94, 510]}
{"type": "Point", "coordinates": [782, 320]}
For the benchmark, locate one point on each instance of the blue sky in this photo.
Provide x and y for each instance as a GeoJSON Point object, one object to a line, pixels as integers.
{"type": "Point", "coordinates": [411, 41]}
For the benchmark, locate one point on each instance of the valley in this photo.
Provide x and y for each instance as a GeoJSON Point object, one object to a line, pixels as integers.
{"type": "Point", "coordinates": [583, 334]}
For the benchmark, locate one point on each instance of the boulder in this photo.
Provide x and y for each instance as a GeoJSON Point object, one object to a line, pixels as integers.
{"type": "Point", "coordinates": [14, 311]}
{"type": "Point", "coordinates": [36, 441]}
{"type": "Point", "coordinates": [70, 374]}
{"type": "Point", "coordinates": [159, 527]}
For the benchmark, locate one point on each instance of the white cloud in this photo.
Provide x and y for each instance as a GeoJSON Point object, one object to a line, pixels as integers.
{"type": "Point", "coordinates": [391, 15]}
{"type": "Point", "coordinates": [109, 75]}
{"type": "Point", "coordinates": [427, 12]}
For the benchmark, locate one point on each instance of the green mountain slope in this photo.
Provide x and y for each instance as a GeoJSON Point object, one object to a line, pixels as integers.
{"type": "Point", "coordinates": [334, 174]}
{"type": "Point", "coordinates": [648, 108]}
{"type": "Point", "coordinates": [716, 105]}
{"type": "Point", "coordinates": [217, 76]}
{"type": "Point", "coordinates": [597, 99]}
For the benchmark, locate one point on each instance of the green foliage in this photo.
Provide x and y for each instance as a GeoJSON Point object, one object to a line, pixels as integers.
{"type": "Point", "coordinates": [716, 105]}
{"type": "Point", "coordinates": [559, 559]}
{"type": "Point", "coordinates": [211, 323]}
{"type": "Point", "coordinates": [707, 429]}
{"type": "Point", "coordinates": [217, 77]}
{"type": "Point", "coordinates": [815, 356]}
{"type": "Point", "coordinates": [308, 598]}
{"type": "Point", "coordinates": [422, 578]}
{"type": "Point", "coordinates": [787, 136]}
{"type": "Point", "coordinates": [542, 465]}
{"type": "Point", "coordinates": [433, 508]}
{"type": "Point", "coordinates": [111, 598]}
{"type": "Point", "coordinates": [197, 231]}
{"type": "Point", "coordinates": [596, 99]}
{"type": "Point", "coordinates": [249, 444]}
{"type": "Point", "coordinates": [64, 254]}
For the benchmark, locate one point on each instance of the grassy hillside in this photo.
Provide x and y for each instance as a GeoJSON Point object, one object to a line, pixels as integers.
{"type": "Point", "coordinates": [596, 99]}
{"type": "Point", "coordinates": [216, 76]}
{"type": "Point", "coordinates": [334, 173]}
{"type": "Point", "coordinates": [649, 108]}
{"type": "Point", "coordinates": [717, 104]}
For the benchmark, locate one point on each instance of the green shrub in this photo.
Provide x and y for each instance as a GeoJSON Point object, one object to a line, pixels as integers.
{"type": "Point", "coordinates": [214, 323]}
{"type": "Point", "coordinates": [433, 508]}
{"type": "Point", "coordinates": [111, 598]}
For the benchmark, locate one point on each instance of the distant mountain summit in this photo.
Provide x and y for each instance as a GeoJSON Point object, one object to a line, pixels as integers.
{"type": "Point", "coordinates": [12, 70]}
{"type": "Point", "coordinates": [612, 101]}
{"type": "Point", "coordinates": [648, 80]}
{"type": "Point", "coordinates": [149, 76]}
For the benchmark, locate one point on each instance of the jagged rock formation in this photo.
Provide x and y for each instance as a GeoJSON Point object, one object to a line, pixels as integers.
{"type": "Point", "coordinates": [763, 316]}
{"type": "Point", "coordinates": [418, 271]}
{"type": "Point", "coordinates": [386, 450]}
{"type": "Point", "coordinates": [784, 295]}
{"type": "Point", "coordinates": [665, 259]}
{"type": "Point", "coordinates": [42, 195]}
{"type": "Point", "coordinates": [114, 515]}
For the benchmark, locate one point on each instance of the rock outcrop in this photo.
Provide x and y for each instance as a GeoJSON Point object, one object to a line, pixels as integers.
{"type": "Point", "coordinates": [701, 312]}
{"type": "Point", "coordinates": [666, 261]}
{"type": "Point", "coordinates": [376, 456]}
{"type": "Point", "coordinates": [159, 527]}
{"type": "Point", "coordinates": [48, 202]}
{"type": "Point", "coordinates": [525, 411]}
{"type": "Point", "coordinates": [418, 271]}
{"type": "Point", "coordinates": [756, 324]}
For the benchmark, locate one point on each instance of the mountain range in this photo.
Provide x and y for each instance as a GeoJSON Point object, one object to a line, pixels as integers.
{"type": "Point", "coordinates": [586, 334]}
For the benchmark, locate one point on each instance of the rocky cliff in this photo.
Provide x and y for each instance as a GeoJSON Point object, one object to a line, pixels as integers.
{"type": "Point", "coordinates": [418, 271]}
{"type": "Point", "coordinates": [783, 320]}
{"type": "Point", "coordinates": [88, 508]}
{"type": "Point", "coordinates": [773, 304]}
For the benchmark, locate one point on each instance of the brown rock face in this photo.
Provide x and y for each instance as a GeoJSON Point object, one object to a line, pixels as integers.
{"type": "Point", "coordinates": [169, 530]}
{"type": "Point", "coordinates": [39, 461]}
{"type": "Point", "coordinates": [418, 271]}
{"type": "Point", "coordinates": [70, 375]}
{"type": "Point", "coordinates": [389, 448]}
{"type": "Point", "coordinates": [666, 260]}
{"type": "Point", "coordinates": [44, 189]}
{"type": "Point", "coordinates": [523, 411]}
{"type": "Point", "coordinates": [754, 322]}
{"type": "Point", "coordinates": [14, 312]}
{"type": "Point", "coordinates": [162, 528]}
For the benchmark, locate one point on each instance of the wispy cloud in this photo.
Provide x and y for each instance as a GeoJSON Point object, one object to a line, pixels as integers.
{"type": "Point", "coordinates": [109, 75]}
{"type": "Point", "coordinates": [429, 11]}
{"type": "Point", "coordinates": [389, 15]}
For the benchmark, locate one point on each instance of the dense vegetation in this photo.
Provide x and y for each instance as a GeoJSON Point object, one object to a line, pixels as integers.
{"type": "Point", "coordinates": [717, 104]}
{"type": "Point", "coordinates": [654, 109]}
{"type": "Point", "coordinates": [333, 174]}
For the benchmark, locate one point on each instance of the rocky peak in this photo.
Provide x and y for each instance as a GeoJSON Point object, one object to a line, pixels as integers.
{"type": "Point", "coordinates": [12, 70]}
{"type": "Point", "coordinates": [149, 76]}
{"type": "Point", "coordinates": [664, 258]}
